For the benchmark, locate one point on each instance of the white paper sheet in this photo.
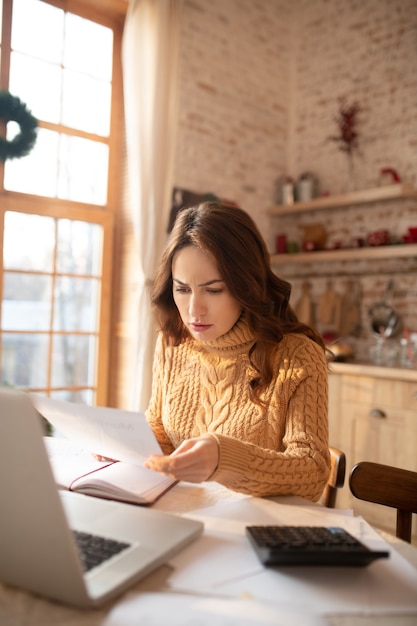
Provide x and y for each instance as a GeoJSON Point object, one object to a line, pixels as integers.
{"type": "Point", "coordinates": [120, 435]}
{"type": "Point", "coordinates": [385, 587]}
{"type": "Point", "coordinates": [65, 455]}
{"type": "Point", "coordinates": [223, 554]}
{"type": "Point", "coordinates": [162, 609]}
{"type": "Point", "coordinates": [222, 562]}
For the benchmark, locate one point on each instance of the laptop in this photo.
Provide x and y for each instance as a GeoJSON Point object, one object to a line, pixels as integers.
{"type": "Point", "coordinates": [38, 549]}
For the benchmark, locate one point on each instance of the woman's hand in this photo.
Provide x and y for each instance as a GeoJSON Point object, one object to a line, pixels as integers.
{"type": "Point", "coordinates": [195, 460]}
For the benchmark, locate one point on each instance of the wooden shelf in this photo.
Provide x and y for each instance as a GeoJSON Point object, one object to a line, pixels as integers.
{"type": "Point", "coordinates": [347, 254]}
{"type": "Point", "coordinates": [389, 192]}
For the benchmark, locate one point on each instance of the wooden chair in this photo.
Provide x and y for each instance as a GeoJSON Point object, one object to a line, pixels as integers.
{"type": "Point", "coordinates": [336, 478]}
{"type": "Point", "coordinates": [390, 486]}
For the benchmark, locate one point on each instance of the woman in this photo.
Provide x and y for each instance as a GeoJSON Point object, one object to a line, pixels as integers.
{"type": "Point", "coordinates": [239, 390]}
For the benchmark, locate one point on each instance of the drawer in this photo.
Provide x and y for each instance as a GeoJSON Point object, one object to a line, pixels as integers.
{"type": "Point", "coordinates": [378, 392]}
{"type": "Point", "coordinates": [395, 394]}
{"type": "Point", "coordinates": [385, 440]}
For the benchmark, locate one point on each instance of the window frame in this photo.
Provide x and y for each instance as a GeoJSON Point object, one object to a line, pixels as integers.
{"type": "Point", "coordinates": [109, 14]}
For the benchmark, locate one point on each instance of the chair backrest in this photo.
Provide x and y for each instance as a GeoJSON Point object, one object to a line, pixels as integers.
{"type": "Point", "coordinates": [390, 486]}
{"type": "Point", "coordinates": [336, 478]}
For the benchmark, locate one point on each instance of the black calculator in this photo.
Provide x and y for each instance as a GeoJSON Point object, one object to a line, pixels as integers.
{"type": "Point", "coordinates": [310, 545]}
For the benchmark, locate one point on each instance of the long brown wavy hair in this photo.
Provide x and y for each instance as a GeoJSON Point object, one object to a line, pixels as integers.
{"type": "Point", "coordinates": [232, 237]}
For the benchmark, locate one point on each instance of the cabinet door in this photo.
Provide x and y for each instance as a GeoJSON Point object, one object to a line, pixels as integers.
{"type": "Point", "coordinates": [384, 431]}
{"type": "Point", "coordinates": [344, 390]}
{"type": "Point", "coordinates": [384, 425]}
{"type": "Point", "coordinates": [390, 438]}
{"type": "Point", "coordinates": [373, 419]}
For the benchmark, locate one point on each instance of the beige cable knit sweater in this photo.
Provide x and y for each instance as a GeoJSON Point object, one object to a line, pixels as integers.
{"type": "Point", "coordinates": [280, 448]}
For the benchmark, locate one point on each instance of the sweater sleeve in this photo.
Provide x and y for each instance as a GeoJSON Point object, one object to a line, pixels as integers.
{"type": "Point", "coordinates": [301, 465]}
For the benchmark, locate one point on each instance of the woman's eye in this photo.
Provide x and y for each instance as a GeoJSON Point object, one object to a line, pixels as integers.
{"type": "Point", "coordinates": [209, 290]}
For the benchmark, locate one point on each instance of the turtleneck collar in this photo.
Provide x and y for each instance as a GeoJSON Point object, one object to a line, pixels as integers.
{"type": "Point", "coordinates": [237, 340]}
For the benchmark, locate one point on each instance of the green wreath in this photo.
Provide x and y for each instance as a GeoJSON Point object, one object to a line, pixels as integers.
{"type": "Point", "coordinates": [13, 110]}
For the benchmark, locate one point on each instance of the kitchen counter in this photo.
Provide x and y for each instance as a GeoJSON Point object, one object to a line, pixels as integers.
{"type": "Point", "coordinates": [376, 371]}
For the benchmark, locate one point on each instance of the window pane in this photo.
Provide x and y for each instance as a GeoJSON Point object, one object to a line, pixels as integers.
{"type": "Point", "coordinates": [83, 166]}
{"type": "Point", "coordinates": [29, 242]}
{"type": "Point", "coordinates": [24, 360]}
{"type": "Point", "coordinates": [38, 29]}
{"type": "Point", "coordinates": [81, 396]}
{"type": "Point", "coordinates": [62, 70]}
{"type": "Point", "coordinates": [91, 111]}
{"type": "Point", "coordinates": [37, 172]}
{"type": "Point", "coordinates": [73, 360]}
{"type": "Point", "coordinates": [26, 302]}
{"type": "Point", "coordinates": [30, 80]}
{"type": "Point", "coordinates": [83, 172]}
{"type": "Point", "coordinates": [76, 304]}
{"type": "Point", "coordinates": [80, 55]}
{"type": "Point", "coordinates": [79, 247]}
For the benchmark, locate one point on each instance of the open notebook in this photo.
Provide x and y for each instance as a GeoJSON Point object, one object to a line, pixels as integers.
{"type": "Point", "coordinates": [82, 430]}
{"type": "Point", "coordinates": [38, 551]}
{"type": "Point", "coordinates": [77, 470]}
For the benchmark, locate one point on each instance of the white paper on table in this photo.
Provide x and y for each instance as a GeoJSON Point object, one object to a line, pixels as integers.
{"type": "Point", "coordinates": [160, 609]}
{"type": "Point", "coordinates": [114, 433]}
{"type": "Point", "coordinates": [388, 586]}
{"type": "Point", "coordinates": [234, 515]}
{"type": "Point", "coordinates": [223, 562]}
{"type": "Point", "coordinates": [223, 554]}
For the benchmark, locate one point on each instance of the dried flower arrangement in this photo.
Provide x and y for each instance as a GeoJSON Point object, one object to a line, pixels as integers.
{"type": "Point", "coordinates": [348, 137]}
{"type": "Point", "coordinates": [347, 122]}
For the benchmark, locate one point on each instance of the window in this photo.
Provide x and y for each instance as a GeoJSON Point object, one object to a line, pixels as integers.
{"type": "Point", "coordinates": [57, 203]}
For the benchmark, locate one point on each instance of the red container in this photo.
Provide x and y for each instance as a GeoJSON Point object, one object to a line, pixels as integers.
{"type": "Point", "coordinates": [412, 231]}
{"type": "Point", "coordinates": [281, 244]}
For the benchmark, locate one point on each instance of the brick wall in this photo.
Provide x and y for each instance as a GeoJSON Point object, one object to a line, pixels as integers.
{"type": "Point", "coordinates": [260, 84]}
{"type": "Point", "coordinates": [365, 51]}
{"type": "Point", "coordinates": [235, 96]}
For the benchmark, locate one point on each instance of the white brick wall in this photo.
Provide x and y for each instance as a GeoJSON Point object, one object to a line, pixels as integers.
{"type": "Point", "coordinates": [365, 51]}
{"type": "Point", "coordinates": [235, 92]}
{"type": "Point", "coordinates": [259, 87]}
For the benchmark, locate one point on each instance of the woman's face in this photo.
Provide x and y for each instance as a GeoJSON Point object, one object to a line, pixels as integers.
{"type": "Point", "coordinates": [204, 303]}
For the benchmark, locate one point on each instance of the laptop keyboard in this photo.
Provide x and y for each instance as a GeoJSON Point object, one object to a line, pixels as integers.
{"type": "Point", "coordinates": [95, 549]}
{"type": "Point", "coordinates": [309, 545]}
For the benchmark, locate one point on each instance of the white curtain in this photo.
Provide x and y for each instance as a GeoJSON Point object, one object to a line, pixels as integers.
{"type": "Point", "coordinates": [150, 68]}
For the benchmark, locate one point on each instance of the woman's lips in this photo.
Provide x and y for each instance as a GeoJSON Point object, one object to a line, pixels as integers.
{"type": "Point", "coordinates": [200, 328]}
